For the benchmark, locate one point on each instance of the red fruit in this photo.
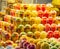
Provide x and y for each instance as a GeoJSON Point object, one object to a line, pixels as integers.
{"type": "Point", "coordinates": [25, 6]}
{"type": "Point", "coordinates": [50, 34]}
{"type": "Point", "coordinates": [44, 20]}
{"type": "Point", "coordinates": [0, 24]}
{"type": "Point", "coordinates": [25, 45]}
{"type": "Point", "coordinates": [40, 13]}
{"type": "Point", "coordinates": [9, 42]}
{"type": "Point", "coordinates": [17, 7]}
{"type": "Point", "coordinates": [11, 27]}
{"type": "Point", "coordinates": [31, 46]}
{"type": "Point", "coordinates": [53, 27]}
{"type": "Point", "coordinates": [5, 18]}
{"type": "Point", "coordinates": [56, 34]}
{"type": "Point", "coordinates": [50, 20]}
{"type": "Point", "coordinates": [12, 13]}
{"type": "Point", "coordinates": [43, 7]}
{"type": "Point", "coordinates": [0, 36]}
{"type": "Point", "coordinates": [47, 27]}
{"type": "Point", "coordinates": [38, 7]}
{"type": "Point", "coordinates": [5, 27]}
{"type": "Point", "coordinates": [7, 36]}
{"type": "Point", "coordinates": [46, 14]}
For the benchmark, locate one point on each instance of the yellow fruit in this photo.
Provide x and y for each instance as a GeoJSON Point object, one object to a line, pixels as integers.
{"type": "Point", "coordinates": [56, 2]}
{"type": "Point", "coordinates": [31, 40]}
{"type": "Point", "coordinates": [14, 45]}
{"type": "Point", "coordinates": [17, 13]}
{"type": "Point", "coordinates": [53, 13]}
{"type": "Point", "coordinates": [49, 6]}
{"type": "Point", "coordinates": [40, 27]}
{"type": "Point", "coordinates": [32, 20]}
{"type": "Point", "coordinates": [34, 13]}
{"type": "Point", "coordinates": [2, 43]}
{"type": "Point", "coordinates": [23, 36]}
{"type": "Point", "coordinates": [43, 35]}
{"type": "Point", "coordinates": [37, 20]}
{"type": "Point", "coordinates": [45, 46]}
{"type": "Point", "coordinates": [39, 44]}
{"type": "Point", "coordinates": [31, 7]}
{"type": "Point", "coordinates": [34, 28]}
{"type": "Point", "coordinates": [57, 20]}
{"type": "Point", "coordinates": [27, 13]}
{"type": "Point", "coordinates": [37, 34]}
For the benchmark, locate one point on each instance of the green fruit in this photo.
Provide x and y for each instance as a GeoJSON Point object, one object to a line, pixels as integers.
{"type": "Point", "coordinates": [53, 43]}
{"type": "Point", "coordinates": [45, 40]}
{"type": "Point", "coordinates": [25, 21]}
{"type": "Point", "coordinates": [15, 36]}
{"type": "Point", "coordinates": [30, 34]}
{"type": "Point", "coordinates": [54, 8]}
{"type": "Point", "coordinates": [48, 42]}
{"type": "Point", "coordinates": [50, 45]}
{"type": "Point", "coordinates": [45, 46]}
{"type": "Point", "coordinates": [22, 33]}
{"type": "Point", "coordinates": [57, 45]}
{"type": "Point", "coordinates": [53, 47]}
{"type": "Point", "coordinates": [18, 20]}
{"type": "Point", "coordinates": [27, 28]}
{"type": "Point", "coordinates": [52, 40]}
{"type": "Point", "coordinates": [21, 11]}
{"type": "Point", "coordinates": [20, 28]}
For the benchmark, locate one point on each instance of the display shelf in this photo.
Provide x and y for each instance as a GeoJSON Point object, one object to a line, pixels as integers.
{"type": "Point", "coordinates": [29, 26]}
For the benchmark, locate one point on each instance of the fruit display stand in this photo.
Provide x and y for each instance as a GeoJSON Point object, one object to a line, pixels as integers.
{"type": "Point", "coordinates": [30, 26]}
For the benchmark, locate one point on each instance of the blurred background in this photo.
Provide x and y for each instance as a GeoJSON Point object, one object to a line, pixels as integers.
{"type": "Point", "coordinates": [3, 3]}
